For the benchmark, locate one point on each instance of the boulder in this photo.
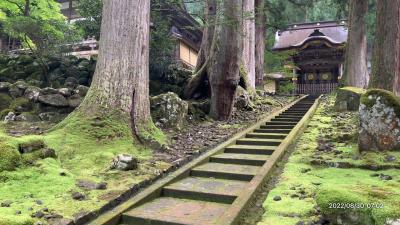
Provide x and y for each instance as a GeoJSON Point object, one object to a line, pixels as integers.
{"type": "Point", "coordinates": [56, 100]}
{"type": "Point", "coordinates": [66, 92]}
{"type": "Point", "coordinates": [81, 90]}
{"type": "Point", "coordinates": [15, 90]}
{"type": "Point", "coordinates": [5, 87]}
{"type": "Point", "coordinates": [9, 117]}
{"type": "Point", "coordinates": [28, 117]}
{"type": "Point", "coordinates": [21, 105]}
{"type": "Point", "coordinates": [379, 121]}
{"type": "Point", "coordinates": [32, 93]}
{"type": "Point", "coordinates": [74, 101]}
{"type": "Point", "coordinates": [199, 108]}
{"type": "Point", "coordinates": [31, 146]}
{"type": "Point", "coordinates": [48, 91]}
{"type": "Point", "coordinates": [243, 100]}
{"type": "Point", "coordinates": [348, 99]}
{"type": "Point", "coordinates": [51, 116]}
{"type": "Point", "coordinates": [124, 162]}
{"type": "Point", "coordinates": [169, 110]}
{"type": "Point", "coordinates": [71, 82]}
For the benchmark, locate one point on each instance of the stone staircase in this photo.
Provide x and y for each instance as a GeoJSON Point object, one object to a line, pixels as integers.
{"type": "Point", "coordinates": [209, 189]}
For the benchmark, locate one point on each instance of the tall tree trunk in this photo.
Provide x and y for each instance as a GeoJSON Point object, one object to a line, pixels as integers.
{"type": "Point", "coordinates": [386, 58]}
{"type": "Point", "coordinates": [248, 53]}
{"type": "Point", "coordinates": [121, 82]}
{"type": "Point", "coordinates": [260, 19]}
{"type": "Point", "coordinates": [225, 58]}
{"type": "Point", "coordinates": [200, 75]}
{"type": "Point", "coordinates": [27, 8]}
{"type": "Point", "coordinates": [356, 68]}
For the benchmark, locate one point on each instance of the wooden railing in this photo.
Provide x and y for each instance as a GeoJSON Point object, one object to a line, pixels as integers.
{"type": "Point", "coordinates": [315, 88]}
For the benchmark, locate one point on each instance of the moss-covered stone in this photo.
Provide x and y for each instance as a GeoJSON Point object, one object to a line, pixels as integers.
{"type": "Point", "coordinates": [5, 101]}
{"type": "Point", "coordinates": [21, 105]}
{"type": "Point", "coordinates": [31, 145]}
{"type": "Point", "coordinates": [9, 157]}
{"type": "Point", "coordinates": [379, 121]}
{"type": "Point", "coordinates": [348, 98]}
{"type": "Point", "coordinates": [169, 110]}
{"type": "Point", "coordinates": [390, 97]}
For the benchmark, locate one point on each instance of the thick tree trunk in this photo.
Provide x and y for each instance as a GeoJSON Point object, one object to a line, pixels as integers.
{"type": "Point", "coordinates": [386, 58]}
{"type": "Point", "coordinates": [356, 69]}
{"type": "Point", "coordinates": [225, 58]}
{"type": "Point", "coordinates": [120, 83]}
{"type": "Point", "coordinates": [199, 80]}
{"type": "Point", "coordinates": [248, 53]}
{"type": "Point", "coordinates": [260, 19]}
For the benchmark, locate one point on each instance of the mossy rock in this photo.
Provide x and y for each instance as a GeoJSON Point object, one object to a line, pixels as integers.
{"type": "Point", "coordinates": [21, 105]}
{"type": "Point", "coordinates": [10, 158]}
{"type": "Point", "coordinates": [391, 99]}
{"type": "Point", "coordinates": [5, 101]}
{"type": "Point", "coordinates": [31, 145]}
{"type": "Point", "coordinates": [379, 121]}
{"type": "Point", "coordinates": [336, 205]}
{"type": "Point", "coordinates": [348, 98]}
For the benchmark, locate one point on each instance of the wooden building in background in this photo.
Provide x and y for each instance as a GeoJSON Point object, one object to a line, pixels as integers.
{"type": "Point", "coordinates": [318, 54]}
{"type": "Point", "coordinates": [185, 30]}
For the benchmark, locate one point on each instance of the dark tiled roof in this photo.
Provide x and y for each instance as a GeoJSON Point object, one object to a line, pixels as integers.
{"type": "Point", "coordinates": [298, 34]}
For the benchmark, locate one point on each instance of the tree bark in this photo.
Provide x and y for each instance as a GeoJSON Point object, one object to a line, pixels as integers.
{"type": "Point", "coordinates": [199, 80]}
{"type": "Point", "coordinates": [260, 20]}
{"type": "Point", "coordinates": [121, 79]}
{"type": "Point", "coordinates": [225, 58]}
{"type": "Point", "coordinates": [386, 58]}
{"type": "Point", "coordinates": [248, 53]}
{"type": "Point", "coordinates": [356, 68]}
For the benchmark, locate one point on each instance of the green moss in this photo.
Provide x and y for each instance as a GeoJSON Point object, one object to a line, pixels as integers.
{"type": "Point", "coordinates": [10, 157]}
{"type": "Point", "coordinates": [5, 101]}
{"type": "Point", "coordinates": [4, 113]}
{"type": "Point", "coordinates": [21, 103]}
{"type": "Point", "coordinates": [324, 185]}
{"type": "Point", "coordinates": [390, 97]}
{"type": "Point", "coordinates": [85, 147]}
{"type": "Point", "coordinates": [354, 89]}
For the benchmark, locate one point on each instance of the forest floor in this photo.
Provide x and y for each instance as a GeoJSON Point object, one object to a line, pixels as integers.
{"type": "Point", "coordinates": [79, 180]}
{"type": "Point", "coordinates": [326, 180]}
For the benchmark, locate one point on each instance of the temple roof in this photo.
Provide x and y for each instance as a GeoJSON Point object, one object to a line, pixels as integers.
{"type": "Point", "coordinates": [298, 34]}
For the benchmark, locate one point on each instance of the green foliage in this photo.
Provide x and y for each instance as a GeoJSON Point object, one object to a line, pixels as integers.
{"type": "Point", "coordinates": [5, 101]}
{"type": "Point", "coordinates": [286, 87]}
{"type": "Point", "coordinates": [39, 26]}
{"type": "Point", "coordinates": [91, 10]}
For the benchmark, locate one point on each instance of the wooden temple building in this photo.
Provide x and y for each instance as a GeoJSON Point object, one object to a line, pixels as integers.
{"type": "Point", "coordinates": [184, 30]}
{"type": "Point", "coordinates": [318, 51]}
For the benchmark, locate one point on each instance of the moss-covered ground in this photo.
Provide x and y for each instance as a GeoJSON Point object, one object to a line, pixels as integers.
{"type": "Point", "coordinates": [326, 171]}
{"type": "Point", "coordinates": [84, 147]}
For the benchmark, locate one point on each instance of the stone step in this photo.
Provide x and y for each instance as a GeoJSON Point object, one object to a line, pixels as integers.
{"type": "Point", "coordinates": [273, 126]}
{"type": "Point", "coordinates": [266, 135]}
{"type": "Point", "coordinates": [259, 142]}
{"type": "Point", "coordinates": [292, 119]}
{"type": "Point", "coordinates": [205, 189]}
{"type": "Point", "coordinates": [289, 117]}
{"type": "Point", "coordinates": [225, 171]}
{"type": "Point", "coordinates": [175, 211]}
{"type": "Point", "coordinates": [280, 123]}
{"type": "Point", "coordinates": [297, 111]}
{"type": "Point", "coordinates": [241, 159]}
{"type": "Point", "coordinates": [250, 149]}
{"type": "Point", "coordinates": [277, 131]}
